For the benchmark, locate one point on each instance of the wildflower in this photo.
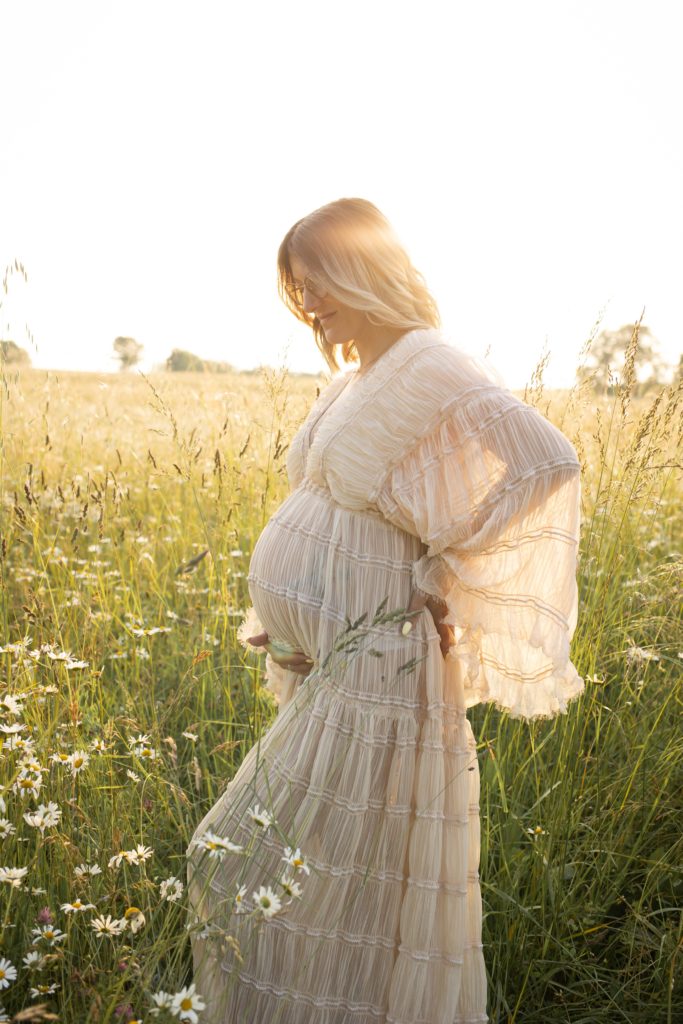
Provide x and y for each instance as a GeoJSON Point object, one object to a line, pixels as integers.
{"type": "Point", "coordinates": [87, 869]}
{"type": "Point", "coordinates": [69, 665]}
{"type": "Point", "coordinates": [163, 1000]}
{"type": "Point", "coordinates": [145, 751]}
{"type": "Point", "coordinates": [76, 906]}
{"type": "Point", "coordinates": [60, 757]}
{"type": "Point", "coordinates": [135, 918]}
{"type": "Point", "coordinates": [640, 654]}
{"type": "Point", "coordinates": [13, 876]}
{"type": "Point", "coordinates": [191, 736]}
{"type": "Point", "coordinates": [106, 926]}
{"type": "Point", "coordinates": [171, 889]}
{"type": "Point", "coordinates": [186, 1003]}
{"type": "Point", "coordinates": [140, 854]}
{"type": "Point", "coordinates": [260, 817]}
{"type": "Point", "coordinates": [537, 831]}
{"type": "Point", "coordinates": [45, 817]}
{"type": "Point", "coordinates": [267, 901]}
{"type": "Point", "coordinates": [14, 728]}
{"type": "Point", "coordinates": [99, 745]}
{"type": "Point", "coordinates": [151, 630]}
{"type": "Point", "coordinates": [143, 739]}
{"type": "Point", "coordinates": [12, 702]}
{"type": "Point", "coordinates": [44, 990]}
{"type": "Point", "coordinates": [216, 846]}
{"type": "Point", "coordinates": [27, 784]}
{"type": "Point", "coordinates": [6, 828]}
{"type": "Point", "coordinates": [35, 960]}
{"type": "Point", "coordinates": [19, 743]}
{"type": "Point", "coordinates": [29, 763]}
{"type": "Point", "coordinates": [239, 899]}
{"type": "Point", "coordinates": [132, 775]}
{"type": "Point", "coordinates": [250, 626]}
{"type": "Point", "coordinates": [49, 934]}
{"type": "Point", "coordinates": [290, 887]}
{"type": "Point", "coordinates": [295, 860]}
{"type": "Point", "coordinates": [8, 973]}
{"type": "Point", "coordinates": [136, 856]}
{"type": "Point", "coordinates": [77, 761]}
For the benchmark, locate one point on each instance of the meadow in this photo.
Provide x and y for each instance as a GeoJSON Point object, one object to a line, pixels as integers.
{"type": "Point", "coordinates": [130, 505]}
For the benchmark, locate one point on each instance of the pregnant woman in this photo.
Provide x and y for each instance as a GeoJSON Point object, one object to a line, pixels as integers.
{"type": "Point", "coordinates": [423, 562]}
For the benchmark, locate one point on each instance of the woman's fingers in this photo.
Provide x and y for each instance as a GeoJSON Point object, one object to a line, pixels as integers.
{"type": "Point", "coordinates": [417, 602]}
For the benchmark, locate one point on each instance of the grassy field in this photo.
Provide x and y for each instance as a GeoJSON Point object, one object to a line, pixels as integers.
{"type": "Point", "coordinates": [128, 701]}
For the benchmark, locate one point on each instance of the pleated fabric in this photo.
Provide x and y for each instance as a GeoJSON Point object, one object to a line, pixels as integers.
{"type": "Point", "coordinates": [424, 471]}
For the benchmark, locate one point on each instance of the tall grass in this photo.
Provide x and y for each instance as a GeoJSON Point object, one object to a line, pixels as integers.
{"type": "Point", "coordinates": [130, 504]}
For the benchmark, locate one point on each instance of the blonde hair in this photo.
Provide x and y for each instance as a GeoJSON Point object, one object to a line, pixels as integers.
{"type": "Point", "coordinates": [350, 249]}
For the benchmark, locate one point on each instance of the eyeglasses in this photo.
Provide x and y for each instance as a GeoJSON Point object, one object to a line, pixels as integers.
{"type": "Point", "coordinates": [296, 292]}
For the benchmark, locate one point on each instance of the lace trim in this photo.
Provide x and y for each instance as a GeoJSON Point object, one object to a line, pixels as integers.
{"type": "Point", "coordinates": [359, 557]}
{"type": "Point", "coordinates": [375, 805]}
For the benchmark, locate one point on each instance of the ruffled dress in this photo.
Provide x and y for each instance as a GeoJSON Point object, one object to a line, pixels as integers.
{"type": "Point", "coordinates": [420, 471]}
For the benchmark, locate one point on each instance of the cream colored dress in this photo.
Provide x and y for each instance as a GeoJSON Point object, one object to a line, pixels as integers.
{"type": "Point", "coordinates": [422, 470]}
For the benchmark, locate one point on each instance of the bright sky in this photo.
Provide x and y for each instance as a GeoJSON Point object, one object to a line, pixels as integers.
{"type": "Point", "coordinates": [529, 155]}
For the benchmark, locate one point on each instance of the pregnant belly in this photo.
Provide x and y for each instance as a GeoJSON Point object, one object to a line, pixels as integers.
{"type": "Point", "coordinates": [287, 569]}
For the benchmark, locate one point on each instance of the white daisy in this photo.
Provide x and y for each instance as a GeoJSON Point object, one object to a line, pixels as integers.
{"type": "Point", "coordinates": [46, 816]}
{"type": "Point", "coordinates": [13, 876]}
{"type": "Point", "coordinates": [48, 933]}
{"type": "Point", "coordinates": [106, 926]}
{"type": "Point", "coordinates": [163, 1000]}
{"type": "Point", "coordinates": [260, 816]}
{"type": "Point", "coordinates": [216, 846]}
{"type": "Point", "coordinates": [27, 785]}
{"type": "Point", "coordinates": [87, 869]}
{"type": "Point", "coordinates": [239, 900]}
{"type": "Point", "coordinates": [267, 901]}
{"type": "Point", "coordinates": [135, 918]}
{"type": "Point", "coordinates": [171, 889]}
{"type": "Point", "coordinates": [78, 761]}
{"type": "Point", "coordinates": [76, 907]}
{"type": "Point", "coordinates": [186, 1003]}
{"type": "Point", "coordinates": [295, 860]}
{"type": "Point", "coordinates": [44, 990]}
{"type": "Point", "coordinates": [35, 960]}
{"type": "Point", "coordinates": [8, 972]}
{"type": "Point", "coordinates": [290, 887]}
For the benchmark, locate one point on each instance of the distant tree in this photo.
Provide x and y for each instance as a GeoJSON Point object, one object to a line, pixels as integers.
{"type": "Point", "coordinates": [218, 367]}
{"type": "Point", "coordinates": [180, 361]}
{"type": "Point", "coordinates": [127, 351]}
{"type": "Point", "coordinates": [606, 360]}
{"type": "Point", "coordinates": [11, 354]}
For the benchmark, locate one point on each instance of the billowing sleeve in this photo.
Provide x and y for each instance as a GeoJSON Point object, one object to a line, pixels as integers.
{"type": "Point", "coordinates": [493, 491]}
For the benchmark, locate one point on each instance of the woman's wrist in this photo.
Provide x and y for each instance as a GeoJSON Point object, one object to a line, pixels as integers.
{"type": "Point", "coordinates": [432, 597]}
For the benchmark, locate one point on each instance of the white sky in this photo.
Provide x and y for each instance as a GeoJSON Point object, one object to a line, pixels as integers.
{"type": "Point", "coordinates": [152, 156]}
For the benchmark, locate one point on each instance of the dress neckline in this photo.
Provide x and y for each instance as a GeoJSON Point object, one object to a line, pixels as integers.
{"type": "Point", "coordinates": [361, 372]}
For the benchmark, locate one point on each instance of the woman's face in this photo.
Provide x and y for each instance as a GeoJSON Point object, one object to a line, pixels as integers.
{"type": "Point", "coordinates": [340, 323]}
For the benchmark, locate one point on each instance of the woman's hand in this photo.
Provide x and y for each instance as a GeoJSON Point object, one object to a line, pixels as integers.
{"type": "Point", "coordinates": [437, 610]}
{"type": "Point", "coordinates": [295, 662]}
